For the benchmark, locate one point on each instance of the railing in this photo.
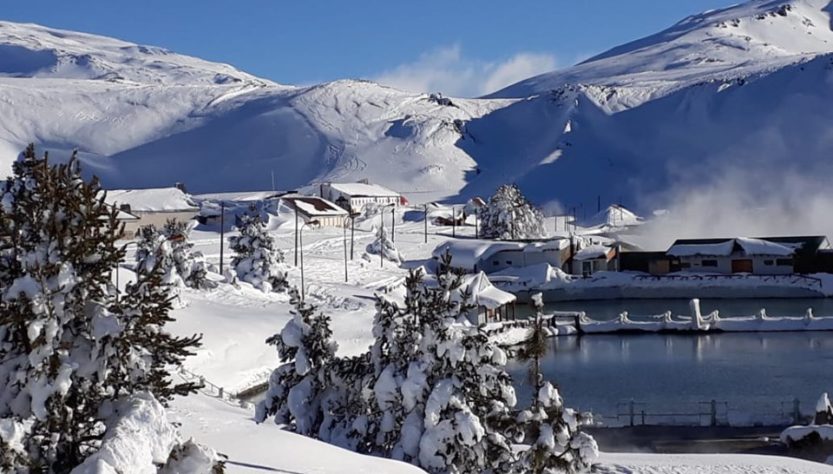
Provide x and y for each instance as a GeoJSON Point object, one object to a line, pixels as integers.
{"type": "Point", "coordinates": [214, 390]}
{"type": "Point", "coordinates": [792, 279]}
{"type": "Point", "coordinates": [704, 413]}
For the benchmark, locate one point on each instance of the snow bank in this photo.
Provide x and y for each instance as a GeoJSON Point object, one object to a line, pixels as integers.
{"type": "Point", "coordinates": [139, 439]}
{"type": "Point", "coordinates": [795, 434]}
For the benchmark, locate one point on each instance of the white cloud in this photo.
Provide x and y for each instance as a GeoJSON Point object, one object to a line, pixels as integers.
{"type": "Point", "coordinates": [446, 70]}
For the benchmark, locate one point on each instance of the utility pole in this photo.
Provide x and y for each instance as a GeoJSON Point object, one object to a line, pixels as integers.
{"type": "Point", "coordinates": [295, 207]}
{"type": "Point", "coordinates": [344, 240]}
{"type": "Point", "coordinates": [425, 219]}
{"type": "Point", "coordinates": [453, 222]}
{"type": "Point", "coordinates": [353, 216]}
{"type": "Point", "coordinates": [222, 232]}
{"type": "Point", "coordinates": [393, 224]}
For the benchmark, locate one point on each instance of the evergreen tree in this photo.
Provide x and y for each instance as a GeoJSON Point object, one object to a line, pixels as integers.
{"type": "Point", "coordinates": [509, 216]}
{"type": "Point", "coordinates": [190, 264]}
{"type": "Point", "coordinates": [68, 347]}
{"type": "Point", "coordinates": [385, 246]}
{"type": "Point", "coordinates": [556, 444]}
{"type": "Point", "coordinates": [258, 260]}
{"type": "Point", "coordinates": [307, 350]}
{"type": "Point", "coordinates": [172, 250]}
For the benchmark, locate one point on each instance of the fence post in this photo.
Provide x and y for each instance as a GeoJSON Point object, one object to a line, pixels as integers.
{"type": "Point", "coordinates": [796, 411]}
{"type": "Point", "coordinates": [221, 392]}
{"type": "Point", "coordinates": [631, 412]}
{"type": "Point", "coordinates": [714, 412]}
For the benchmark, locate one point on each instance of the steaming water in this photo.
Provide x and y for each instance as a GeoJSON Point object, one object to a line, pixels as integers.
{"type": "Point", "coordinates": [756, 374]}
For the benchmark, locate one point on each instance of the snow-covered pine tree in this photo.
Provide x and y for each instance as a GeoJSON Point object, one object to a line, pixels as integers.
{"type": "Point", "coordinates": [154, 251]}
{"type": "Point", "coordinates": [556, 443]}
{"type": "Point", "coordinates": [307, 350]}
{"type": "Point", "coordinates": [258, 260]}
{"type": "Point", "coordinates": [68, 348]}
{"type": "Point", "coordinates": [189, 263]}
{"type": "Point", "coordinates": [509, 216]}
{"type": "Point", "coordinates": [384, 245]}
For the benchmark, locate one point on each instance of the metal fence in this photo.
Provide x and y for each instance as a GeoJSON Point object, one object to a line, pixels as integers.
{"type": "Point", "coordinates": [706, 413]}
{"type": "Point", "coordinates": [791, 279]}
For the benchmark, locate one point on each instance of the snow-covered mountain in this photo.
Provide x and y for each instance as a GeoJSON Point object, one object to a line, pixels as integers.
{"type": "Point", "coordinates": [728, 90]}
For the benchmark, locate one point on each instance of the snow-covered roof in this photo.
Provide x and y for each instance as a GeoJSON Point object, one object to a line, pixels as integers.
{"type": "Point", "coordinates": [765, 247]}
{"type": "Point", "coordinates": [316, 206]}
{"type": "Point", "coordinates": [151, 200]}
{"type": "Point", "coordinates": [614, 216]}
{"type": "Point", "coordinates": [483, 293]}
{"type": "Point", "coordinates": [748, 246]}
{"type": "Point", "coordinates": [467, 253]}
{"type": "Point", "coordinates": [362, 189]}
{"type": "Point", "coordinates": [241, 196]}
{"type": "Point", "coordinates": [720, 249]}
{"type": "Point", "coordinates": [592, 252]}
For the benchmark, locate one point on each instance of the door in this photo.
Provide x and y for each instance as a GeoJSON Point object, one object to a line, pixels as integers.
{"type": "Point", "coordinates": [741, 266]}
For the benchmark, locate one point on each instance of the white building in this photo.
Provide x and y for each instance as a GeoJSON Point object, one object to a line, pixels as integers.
{"type": "Point", "coordinates": [594, 258]}
{"type": "Point", "coordinates": [355, 196]}
{"type": "Point", "coordinates": [153, 206]}
{"type": "Point", "coordinates": [489, 256]}
{"type": "Point", "coordinates": [311, 208]}
{"type": "Point", "coordinates": [735, 255]}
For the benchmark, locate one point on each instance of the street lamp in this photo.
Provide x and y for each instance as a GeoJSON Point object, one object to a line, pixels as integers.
{"type": "Point", "coordinates": [353, 216]}
{"type": "Point", "coordinates": [301, 248]}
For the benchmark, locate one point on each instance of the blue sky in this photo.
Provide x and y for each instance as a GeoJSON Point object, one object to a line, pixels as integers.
{"type": "Point", "coordinates": [459, 47]}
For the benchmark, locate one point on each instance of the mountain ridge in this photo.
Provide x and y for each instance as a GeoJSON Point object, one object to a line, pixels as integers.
{"type": "Point", "coordinates": [623, 125]}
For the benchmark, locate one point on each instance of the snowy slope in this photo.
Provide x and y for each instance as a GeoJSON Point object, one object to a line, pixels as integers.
{"type": "Point", "coordinates": [741, 88]}
{"type": "Point", "coordinates": [752, 38]}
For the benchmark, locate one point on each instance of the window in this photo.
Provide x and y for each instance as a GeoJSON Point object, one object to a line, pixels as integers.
{"type": "Point", "coordinates": [509, 262]}
{"type": "Point", "coordinates": [769, 262]}
{"type": "Point", "coordinates": [784, 262]}
{"type": "Point", "coordinates": [709, 263]}
{"type": "Point", "coordinates": [495, 262]}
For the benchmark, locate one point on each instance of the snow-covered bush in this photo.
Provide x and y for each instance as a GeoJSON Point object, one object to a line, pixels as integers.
{"type": "Point", "coordinates": [140, 439]}
{"type": "Point", "coordinates": [556, 443]}
{"type": "Point", "coordinates": [385, 246]}
{"type": "Point", "coordinates": [258, 260]}
{"type": "Point", "coordinates": [508, 216]}
{"type": "Point", "coordinates": [824, 411]}
{"type": "Point", "coordinates": [69, 348]}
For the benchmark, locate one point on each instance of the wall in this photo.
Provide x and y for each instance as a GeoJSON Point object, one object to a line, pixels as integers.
{"type": "Point", "coordinates": [157, 219]}
{"type": "Point", "coordinates": [724, 265]}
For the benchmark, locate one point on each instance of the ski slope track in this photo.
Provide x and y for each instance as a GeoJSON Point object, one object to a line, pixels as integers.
{"type": "Point", "coordinates": [744, 87]}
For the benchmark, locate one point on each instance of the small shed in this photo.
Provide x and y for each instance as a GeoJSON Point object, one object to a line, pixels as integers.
{"type": "Point", "coordinates": [594, 258]}
{"type": "Point", "coordinates": [491, 304]}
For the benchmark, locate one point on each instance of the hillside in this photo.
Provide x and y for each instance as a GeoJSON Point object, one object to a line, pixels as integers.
{"type": "Point", "coordinates": [716, 95]}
